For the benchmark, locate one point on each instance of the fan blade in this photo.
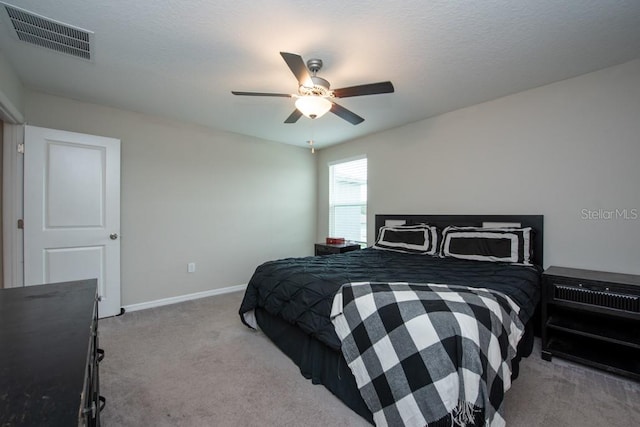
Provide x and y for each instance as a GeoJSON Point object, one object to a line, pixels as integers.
{"type": "Point", "coordinates": [284, 95]}
{"type": "Point", "coordinates": [294, 116]}
{"type": "Point", "coordinates": [297, 67]}
{"type": "Point", "coordinates": [368, 89]}
{"type": "Point", "coordinates": [343, 113]}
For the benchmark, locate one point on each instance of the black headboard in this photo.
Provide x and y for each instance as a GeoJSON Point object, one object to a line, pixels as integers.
{"type": "Point", "coordinates": [536, 222]}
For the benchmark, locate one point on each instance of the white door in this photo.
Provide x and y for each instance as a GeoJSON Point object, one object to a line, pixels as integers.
{"type": "Point", "coordinates": [72, 211]}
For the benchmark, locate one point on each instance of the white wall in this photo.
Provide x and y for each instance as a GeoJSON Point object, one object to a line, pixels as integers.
{"type": "Point", "coordinates": [11, 93]}
{"type": "Point", "coordinates": [555, 150]}
{"type": "Point", "coordinates": [190, 194]}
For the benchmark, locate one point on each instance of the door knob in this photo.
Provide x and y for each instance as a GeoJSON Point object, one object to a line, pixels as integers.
{"type": "Point", "coordinates": [113, 236]}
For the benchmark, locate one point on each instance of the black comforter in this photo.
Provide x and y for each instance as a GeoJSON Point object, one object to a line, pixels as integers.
{"type": "Point", "coordinates": [301, 290]}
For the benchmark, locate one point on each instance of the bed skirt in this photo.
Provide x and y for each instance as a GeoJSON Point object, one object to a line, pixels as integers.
{"type": "Point", "coordinates": [323, 365]}
{"type": "Point", "coordinates": [317, 362]}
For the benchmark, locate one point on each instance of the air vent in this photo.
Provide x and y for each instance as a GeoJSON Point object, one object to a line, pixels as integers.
{"type": "Point", "coordinates": [601, 298]}
{"type": "Point", "coordinates": [44, 32]}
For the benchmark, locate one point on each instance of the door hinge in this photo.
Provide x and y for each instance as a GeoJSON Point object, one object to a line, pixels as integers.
{"type": "Point", "coordinates": [20, 224]}
{"type": "Point", "coordinates": [21, 148]}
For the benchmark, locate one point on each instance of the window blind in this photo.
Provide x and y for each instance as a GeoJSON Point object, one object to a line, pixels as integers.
{"type": "Point", "coordinates": [348, 200]}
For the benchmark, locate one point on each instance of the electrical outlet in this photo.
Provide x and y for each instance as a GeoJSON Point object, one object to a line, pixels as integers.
{"type": "Point", "coordinates": [191, 267]}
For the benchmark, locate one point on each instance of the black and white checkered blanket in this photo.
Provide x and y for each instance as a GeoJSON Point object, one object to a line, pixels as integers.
{"type": "Point", "coordinates": [422, 352]}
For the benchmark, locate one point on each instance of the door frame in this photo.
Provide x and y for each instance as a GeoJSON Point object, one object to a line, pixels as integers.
{"type": "Point", "coordinates": [12, 206]}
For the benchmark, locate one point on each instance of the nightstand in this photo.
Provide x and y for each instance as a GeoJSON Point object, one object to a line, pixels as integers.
{"type": "Point", "coordinates": [592, 317]}
{"type": "Point", "coordinates": [338, 248]}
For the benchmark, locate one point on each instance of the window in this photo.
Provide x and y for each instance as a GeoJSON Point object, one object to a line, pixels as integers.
{"type": "Point", "coordinates": [348, 200]}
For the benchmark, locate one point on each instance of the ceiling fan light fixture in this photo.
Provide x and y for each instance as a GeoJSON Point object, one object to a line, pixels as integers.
{"type": "Point", "coordinates": [313, 106]}
{"type": "Point", "coordinates": [315, 98]}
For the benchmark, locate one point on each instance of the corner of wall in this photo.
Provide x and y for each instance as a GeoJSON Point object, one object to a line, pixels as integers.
{"type": "Point", "coordinates": [11, 94]}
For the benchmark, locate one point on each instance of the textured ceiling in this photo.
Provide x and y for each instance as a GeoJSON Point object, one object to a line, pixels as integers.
{"type": "Point", "coordinates": [181, 58]}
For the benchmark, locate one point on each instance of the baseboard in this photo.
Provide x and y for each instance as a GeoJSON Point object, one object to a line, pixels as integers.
{"type": "Point", "coordinates": [182, 298]}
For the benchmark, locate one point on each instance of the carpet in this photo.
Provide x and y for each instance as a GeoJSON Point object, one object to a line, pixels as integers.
{"type": "Point", "coordinates": [195, 364]}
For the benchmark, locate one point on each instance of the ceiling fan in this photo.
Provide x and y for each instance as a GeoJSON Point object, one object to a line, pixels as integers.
{"type": "Point", "coordinates": [314, 98]}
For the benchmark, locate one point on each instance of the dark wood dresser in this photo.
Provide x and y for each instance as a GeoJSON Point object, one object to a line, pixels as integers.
{"type": "Point", "coordinates": [49, 355]}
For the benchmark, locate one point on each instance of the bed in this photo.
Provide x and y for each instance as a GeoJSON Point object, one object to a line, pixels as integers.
{"type": "Point", "coordinates": [291, 299]}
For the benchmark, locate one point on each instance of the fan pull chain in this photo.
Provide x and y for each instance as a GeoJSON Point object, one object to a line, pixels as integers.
{"type": "Point", "coordinates": [310, 141]}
